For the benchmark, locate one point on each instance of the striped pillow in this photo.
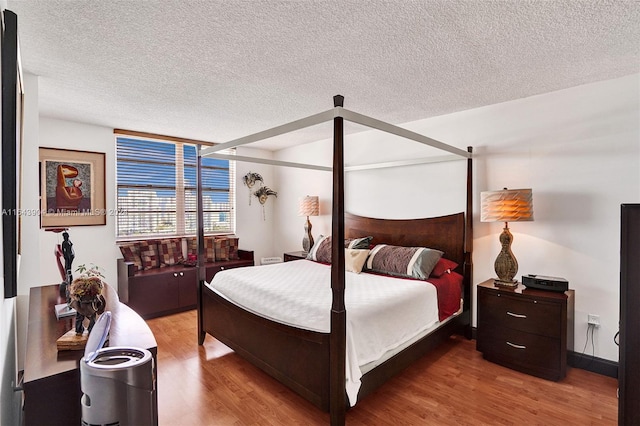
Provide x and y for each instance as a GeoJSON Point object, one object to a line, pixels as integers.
{"type": "Point", "coordinates": [416, 262]}
{"type": "Point", "coordinates": [321, 250]}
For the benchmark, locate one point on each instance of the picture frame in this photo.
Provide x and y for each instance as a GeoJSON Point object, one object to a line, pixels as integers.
{"type": "Point", "coordinates": [72, 188]}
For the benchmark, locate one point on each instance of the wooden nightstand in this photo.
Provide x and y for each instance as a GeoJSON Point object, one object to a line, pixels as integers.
{"type": "Point", "coordinates": [295, 255]}
{"type": "Point", "coordinates": [526, 329]}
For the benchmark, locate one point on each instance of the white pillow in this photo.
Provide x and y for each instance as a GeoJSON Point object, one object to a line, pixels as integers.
{"type": "Point", "coordinates": [354, 259]}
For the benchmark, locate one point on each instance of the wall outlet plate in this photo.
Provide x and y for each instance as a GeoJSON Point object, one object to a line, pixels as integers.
{"type": "Point", "coordinates": [593, 320]}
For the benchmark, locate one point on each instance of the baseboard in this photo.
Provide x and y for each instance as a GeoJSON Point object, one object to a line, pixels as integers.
{"type": "Point", "coordinates": [584, 362]}
{"type": "Point", "coordinates": [593, 364]}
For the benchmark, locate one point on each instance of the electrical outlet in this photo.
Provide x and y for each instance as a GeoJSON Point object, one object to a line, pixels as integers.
{"type": "Point", "coordinates": [593, 320]}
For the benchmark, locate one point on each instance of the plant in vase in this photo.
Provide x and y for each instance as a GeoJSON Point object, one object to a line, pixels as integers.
{"type": "Point", "coordinates": [85, 296]}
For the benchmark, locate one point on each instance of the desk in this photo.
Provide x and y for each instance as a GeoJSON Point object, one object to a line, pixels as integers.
{"type": "Point", "coordinates": [51, 378]}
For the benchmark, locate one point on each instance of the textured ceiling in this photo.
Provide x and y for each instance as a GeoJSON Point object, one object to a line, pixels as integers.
{"type": "Point", "coordinates": [217, 70]}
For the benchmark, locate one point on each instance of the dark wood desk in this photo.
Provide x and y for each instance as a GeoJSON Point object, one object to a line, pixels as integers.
{"type": "Point", "coordinates": [51, 378]}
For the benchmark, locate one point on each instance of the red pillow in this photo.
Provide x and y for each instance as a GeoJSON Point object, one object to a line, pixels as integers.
{"type": "Point", "coordinates": [444, 266]}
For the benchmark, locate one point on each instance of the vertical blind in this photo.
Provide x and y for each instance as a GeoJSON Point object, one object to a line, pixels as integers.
{"type": "Point", "coordinates": [156, 190]}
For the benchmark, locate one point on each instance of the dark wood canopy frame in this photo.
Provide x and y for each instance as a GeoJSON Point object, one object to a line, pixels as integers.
{"type": "Point", "coordinates": [317, 371]}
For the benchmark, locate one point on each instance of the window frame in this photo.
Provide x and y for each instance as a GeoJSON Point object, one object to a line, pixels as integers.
{"type": "Point", "coordinates": [181, 163]}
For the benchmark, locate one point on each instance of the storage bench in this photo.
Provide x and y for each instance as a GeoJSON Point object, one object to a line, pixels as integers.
{"type": "Point", "coordinates": [167, 290]}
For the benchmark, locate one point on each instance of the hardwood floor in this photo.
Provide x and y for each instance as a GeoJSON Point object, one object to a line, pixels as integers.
{"type": "Point", "coordinates": [211, 385]}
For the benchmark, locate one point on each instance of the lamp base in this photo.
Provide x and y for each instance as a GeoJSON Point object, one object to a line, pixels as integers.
{"type": "Point", "coordinates": [502, 283]}
{"type": "Point", "coordinates": [307, 240]}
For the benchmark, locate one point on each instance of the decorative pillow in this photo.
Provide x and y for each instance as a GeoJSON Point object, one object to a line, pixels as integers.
{"type": "Point", "coordinates": [233, 248]}
{"type": "Point", "coordinates": [358, 243]}
{"type": "Point", "coordinates": [221, 247]}
{"type": "Point", "coordinates": [131, 253]}
{"type": "Point", "coordinates": [209, 249]}
{"type": "Point", "coordinates": [321, 250]}
{"type": "Point", "coordinates": [444, 266]}
{"type": "Point", "coordinates": [192, 246]}
{"type": "Point", "coordinates": [170, 251]}
{"type": "Point", "coordinates": [354, 259]}
{"type": "Point", "coordinates": [417, 262]}
{"type": "Point", "coordinates": [149, 255]}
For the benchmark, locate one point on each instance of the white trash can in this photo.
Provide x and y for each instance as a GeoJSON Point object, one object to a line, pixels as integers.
{"type": "Point", "coordinates": [118, 384]}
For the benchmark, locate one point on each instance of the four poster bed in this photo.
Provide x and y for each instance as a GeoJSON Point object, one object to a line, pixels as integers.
{"type": "Point", "coordinates": [321, 362]}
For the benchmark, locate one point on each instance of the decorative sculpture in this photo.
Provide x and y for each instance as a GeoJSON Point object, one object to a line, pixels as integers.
{"type": "Point", "coordinates": [64, 250]}
{"type": "Point", "coordinates": [250, 180]}
{"type": "Point", "coordinates": [263, 194]}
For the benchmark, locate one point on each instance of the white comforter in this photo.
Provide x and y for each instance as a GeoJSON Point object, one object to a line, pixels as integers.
{"type": "Point", "coordinates": [382, 312]}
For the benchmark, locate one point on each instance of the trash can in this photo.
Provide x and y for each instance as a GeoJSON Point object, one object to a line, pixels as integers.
{"type": "Point", "coordinates": [118, 384]}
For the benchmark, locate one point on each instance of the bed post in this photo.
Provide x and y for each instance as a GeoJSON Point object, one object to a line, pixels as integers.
{"type": "Point", "coordinates": [337, 342]}
{"type": "Point", "coordinates": [200, 238]}
{"type": "Point", "coordinates": [468, 245]}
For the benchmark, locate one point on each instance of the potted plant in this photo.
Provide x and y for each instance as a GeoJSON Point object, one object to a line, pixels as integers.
{"type": "Point", "coordinates": [85, 296]}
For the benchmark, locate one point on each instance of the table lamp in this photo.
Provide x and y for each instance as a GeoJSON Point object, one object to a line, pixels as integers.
{"type": "Point", "coordinates": [507, 205]}
{"type": "Point", "coordinates": [308, 206]}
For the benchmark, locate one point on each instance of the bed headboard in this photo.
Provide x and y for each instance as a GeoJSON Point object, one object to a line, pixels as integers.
{"type": "Point", "coordinates": [445, 233]}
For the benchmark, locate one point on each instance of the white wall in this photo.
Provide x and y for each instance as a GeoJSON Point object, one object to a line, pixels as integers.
{"type": "Point", "coordinates": [92, 244]}
{"type": "Point", "coordinates": [255, 230]}
{"type": "Point", "coordinates": [578, 149]}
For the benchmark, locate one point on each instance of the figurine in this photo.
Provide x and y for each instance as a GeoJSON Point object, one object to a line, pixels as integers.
{"type": "Point", "coordinates": [69, 255]}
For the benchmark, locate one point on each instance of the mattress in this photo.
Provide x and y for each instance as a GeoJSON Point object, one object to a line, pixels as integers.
{"type": "Point", "coordinates": [382, 312]}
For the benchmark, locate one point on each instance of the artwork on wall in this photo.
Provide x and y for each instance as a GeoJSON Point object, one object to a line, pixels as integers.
{"type": "Point", "coordinates": [250, 180]}
{"type": "Point", "coordinates": [72, 188]}
{"type": "Point", "coordinates": [263, 194]}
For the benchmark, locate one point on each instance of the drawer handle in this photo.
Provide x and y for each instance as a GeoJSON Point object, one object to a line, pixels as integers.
{"type": "Point", "coordinates": [182, 274]}
{"type": "Point", "coordinates": [516, 315]}
{"type": "Point", "coordinates": [513, 345]}
{"type": "Point", "coordinates": [175, 274]}
{"type": "Point", "coordinates": [222, 268]}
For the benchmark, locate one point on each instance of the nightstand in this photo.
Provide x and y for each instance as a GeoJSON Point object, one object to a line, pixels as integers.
{"type": "Point", "coordinates": [295, 255]}
{"type": "Point", "coordinates": [525, 329]}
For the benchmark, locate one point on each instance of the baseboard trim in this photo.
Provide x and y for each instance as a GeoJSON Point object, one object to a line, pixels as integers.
{"type": "Point", "coordinates": [582, 361]}
{"type": "Point", "coordinates": [593, 364]}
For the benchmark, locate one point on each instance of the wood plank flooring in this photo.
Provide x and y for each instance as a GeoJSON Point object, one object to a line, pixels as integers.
{"type": "Point", "coordinates": [211, 385]}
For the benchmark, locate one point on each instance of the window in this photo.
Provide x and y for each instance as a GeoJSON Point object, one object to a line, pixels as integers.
{"type": "Point", "coordinates": [156, 186]}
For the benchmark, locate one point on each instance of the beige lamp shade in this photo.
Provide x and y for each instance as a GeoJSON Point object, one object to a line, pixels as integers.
{"type": "Point", "coordinates": [507, 205]}
{"type": "Point", "coordinates": [309, 206]}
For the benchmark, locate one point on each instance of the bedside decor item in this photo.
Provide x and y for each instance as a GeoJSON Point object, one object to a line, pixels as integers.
{"type": "Point", "coordinates": [250, 180]}
{"type": "Point", "coordinates": [85, 296]}
{"type": "Point", "coordinates": [263, 194]}
{"type": "Point", "coordinates": [73, 188]}
{"type": "Point", "coordinates": [507, 205]}
{"type": "Point", "coordinates": [64, 250]}
{"type": "Point", "coordinates": [308, 206]}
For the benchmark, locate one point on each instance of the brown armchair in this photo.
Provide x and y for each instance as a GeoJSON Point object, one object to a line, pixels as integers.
{"type": "Point", "coordinates": [67, 197]}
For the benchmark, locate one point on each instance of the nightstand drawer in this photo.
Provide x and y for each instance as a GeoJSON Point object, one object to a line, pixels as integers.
{"type": "Point", "coordinates": [518, 313]}
{"type": "Point", "coordinates": [524, 351]}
